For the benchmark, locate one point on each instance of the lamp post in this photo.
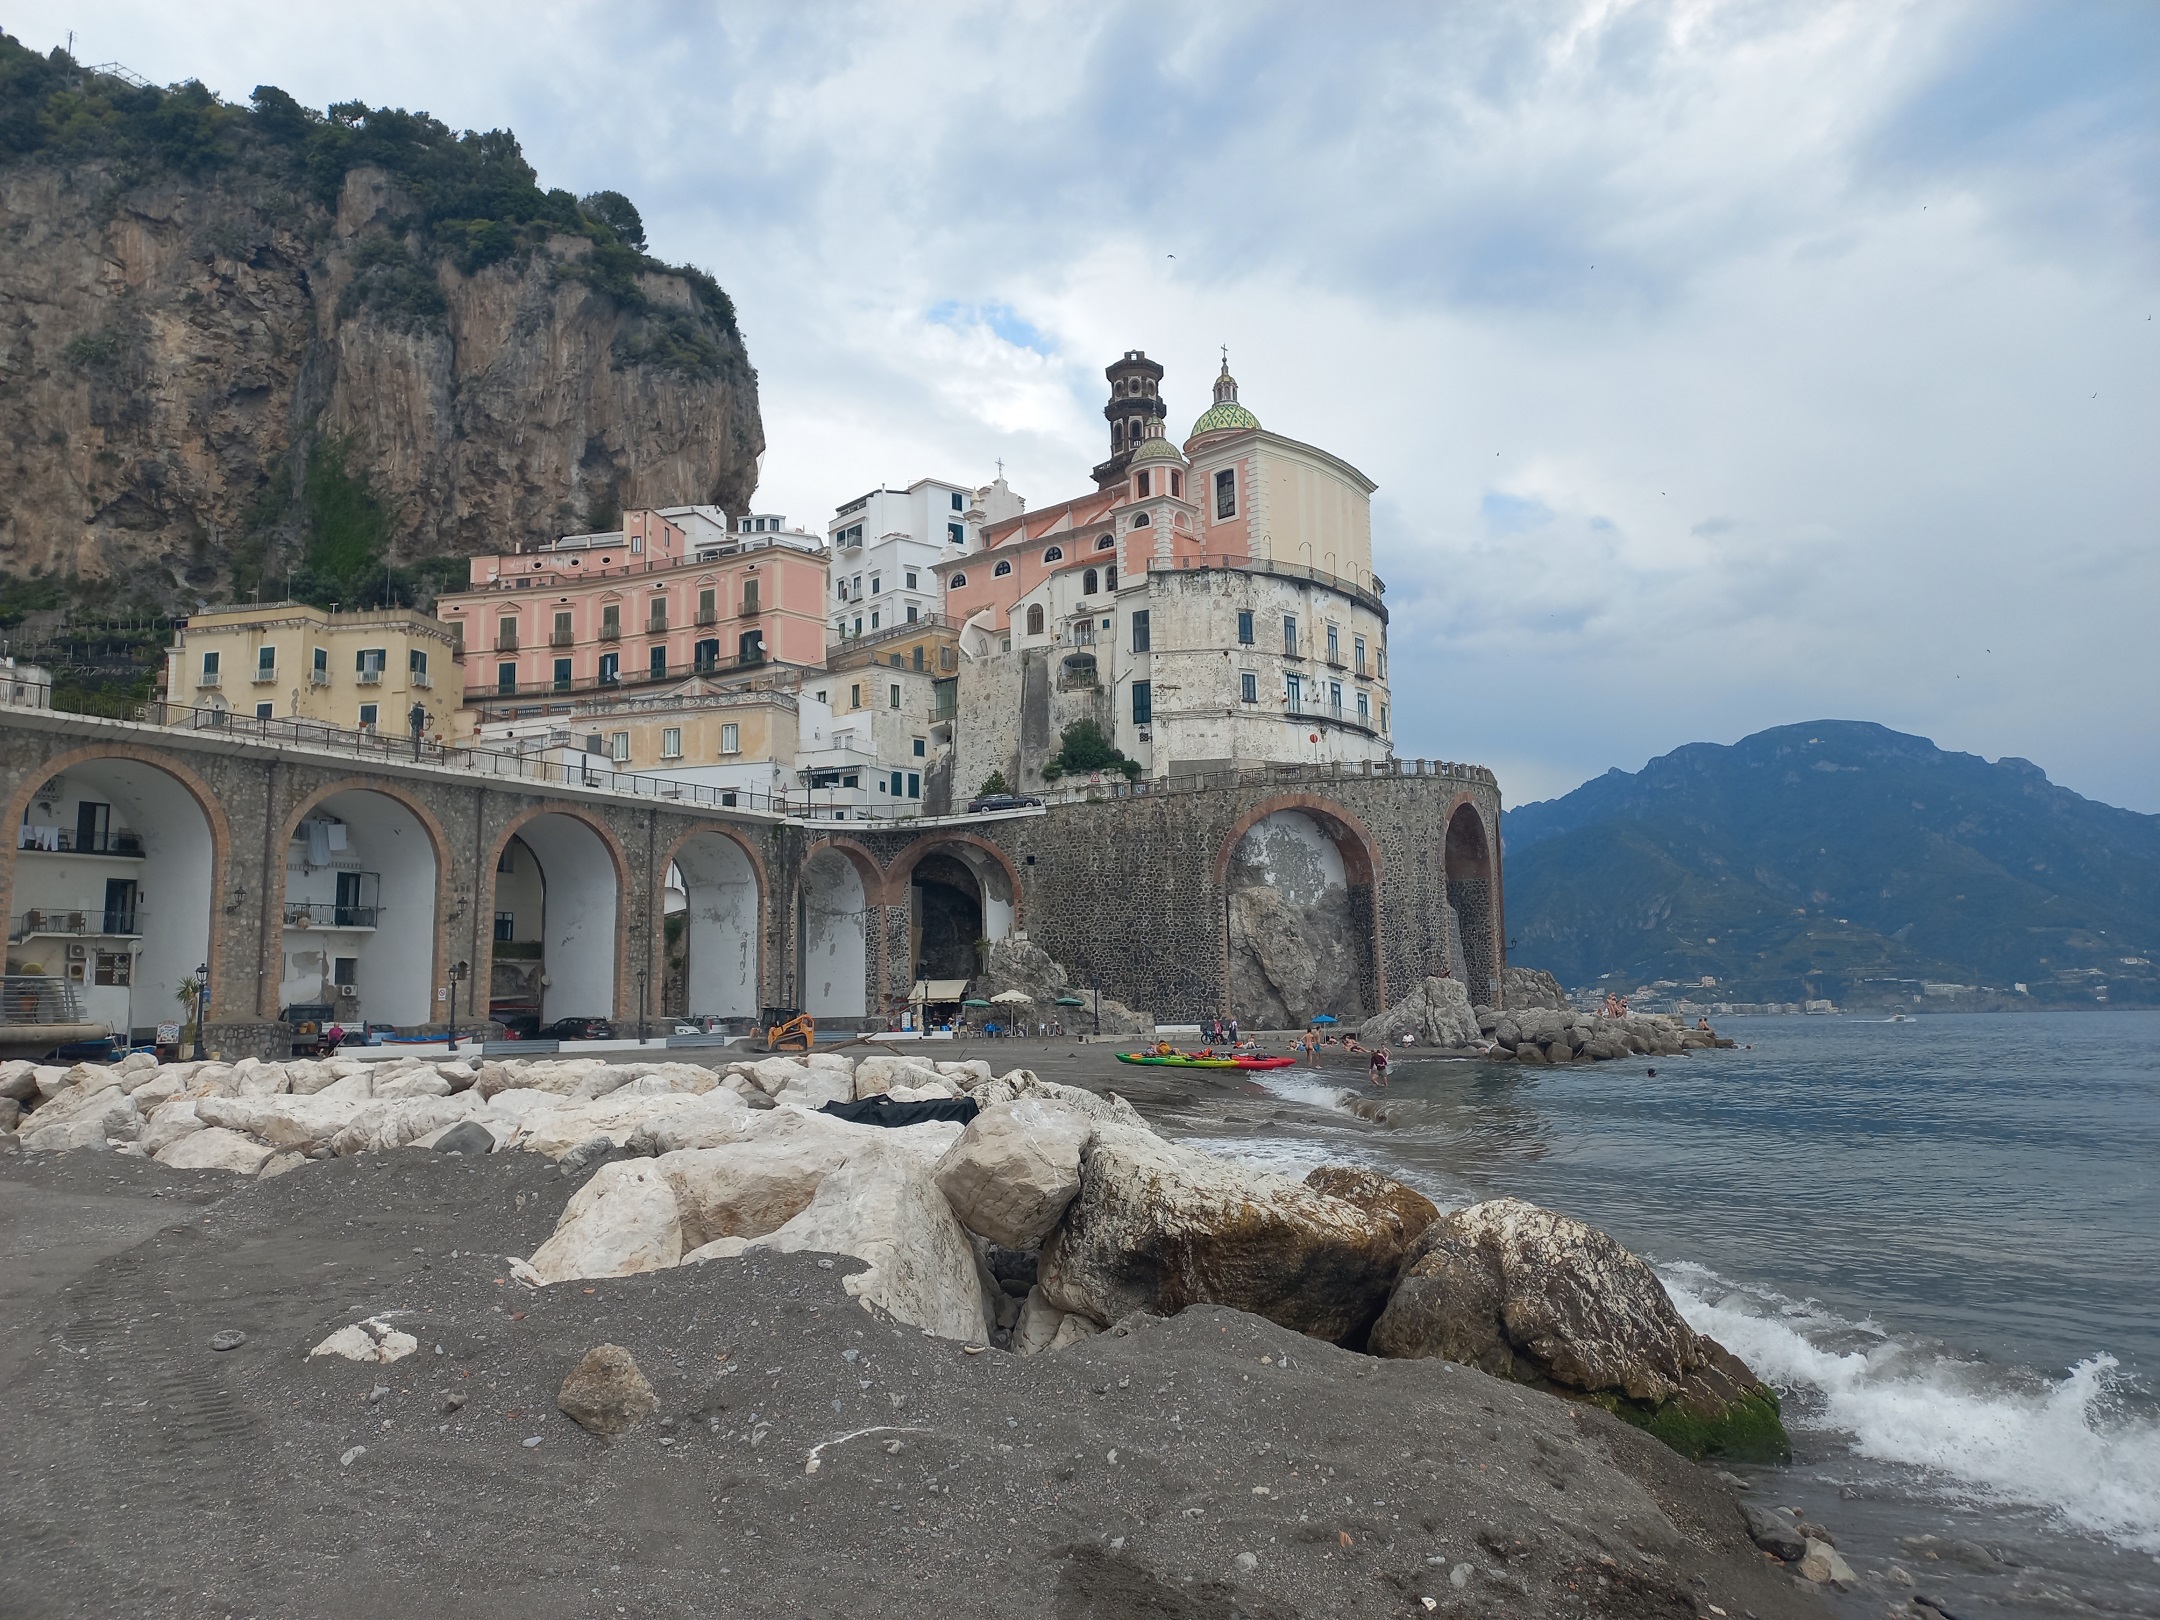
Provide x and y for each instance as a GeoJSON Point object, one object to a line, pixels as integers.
{"type": "Point", "coordinates": [417, 719]}
{"type": "Point", "coordinates": [202, 1005]}
{"type": "Point", "coordinates": [459, 972]}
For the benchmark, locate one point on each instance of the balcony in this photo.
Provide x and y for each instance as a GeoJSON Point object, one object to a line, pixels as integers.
{"type": "Point", "coordinates": [64, 841]}
{"type": "Point", "coordinates": [369, 677]}
{"type": "Point", "coordinates": [320, 914]}
{"type": "Point", "coordinates": [707, 617]}
{"type": "Point", "coordinates": [643, 675]}
{"type": "Point", "coordinates": [116, 924]}
{"type": "Point", "coordinates": [318, 677]}
{"type": "Point", "coordinates": [422, 679]}
{"type": "Point", "coordinates": [611, 630]}
{"type": "Point", "coordinates": [562, 638]}
{"type": "Point", "coordinates": [28, 998]}
{"type": "Point", "coordinates": [656, 625]}
{"type": "Point", "coordinates": [210, 678]}
{"type": "Point", "coordinates": [265, 677]}
{"type": "Point", "coordinates": [507, 641]}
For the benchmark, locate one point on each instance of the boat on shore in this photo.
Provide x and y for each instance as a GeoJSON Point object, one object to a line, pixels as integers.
{"type": "Point", "coordinates": [1195, 1060]}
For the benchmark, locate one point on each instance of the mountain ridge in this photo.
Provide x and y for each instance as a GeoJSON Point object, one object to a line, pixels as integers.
{"type": "Point", "coordinates": [1838, 860]}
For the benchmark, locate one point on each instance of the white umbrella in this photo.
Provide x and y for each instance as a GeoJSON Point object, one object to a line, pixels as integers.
{"type": "Point", "coordinates": [1012, 997]}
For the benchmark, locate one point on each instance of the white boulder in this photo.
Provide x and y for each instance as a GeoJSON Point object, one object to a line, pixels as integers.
{"type": "Point", "coordinates": [1015, 1169]}
{"type": "Point", "coordinates": [214, 1149]}
{"type": "Point", "coordinates": [170, 1123]}
{"type": "Point", "coordinates": [372, 1339]}
{"type": "Point", "coordinates": [623, 1221]}
{"type": "Point", "coordinates": [305, 1123]}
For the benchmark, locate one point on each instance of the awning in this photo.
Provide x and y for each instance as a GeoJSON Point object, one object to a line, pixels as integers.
{"type": "Point", "coordinates": [938, 990]}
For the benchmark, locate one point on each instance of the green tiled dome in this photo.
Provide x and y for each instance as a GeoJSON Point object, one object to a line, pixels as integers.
{"type": "Point", "coordinates": [1156, 449]}
{"type": "Point", "coordinates": [1227, 417]}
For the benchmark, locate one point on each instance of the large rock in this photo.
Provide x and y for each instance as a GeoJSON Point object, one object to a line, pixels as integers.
{"type": "Point", "coordinates": [1015, 1169]}
{"type": "Point", "coordinates": [304, 1123]}
{"type": "Point", "coordinates": [884, 1208]}
{"type": "Point", "coordinates": [1436, 1013]}
{"type": "Point", "coordinates": [1404, 1210]}
{"type": "Point", "coordinates": [1103, 1108]}
{"type": "Point", "coordinates": [1522, 987]}
{"type": "Point", "coordinates": [718, 1116]}
{"type": "Point", "coordinates": [1537, 1297]}
{"type": "Point", "coordinates": [555, 1130]}
{"type": "Point", "coordinates": [605, 1392]}
{"type": "Point", "coordinates": [379, 1126]}
{"type": "Point", "coordinates": [747, 1189]}
{"type": "Point", "coordinates": [215, 1149]}
{"type": "Point", "coordinates": [621, 1222]}
{"type": "Point", "coordinates": [874, 1076]}
{"type": "Point", "coordinates": [1020, 964]}
{"type": "Point", "coordinates": [1158, 1226]}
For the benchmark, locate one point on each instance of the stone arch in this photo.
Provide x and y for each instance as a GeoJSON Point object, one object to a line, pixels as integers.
{"type": "Point", "coordinates": [592, 953]}
{"type": "Point", "coordinates": [399, 971]}
{"type": "Point", "coordinates": [722, 970]}
{"type": "Point", "coordinates": [183, 871]}
{"type": "Point", "coordinates": [839, 889]}
{"type": "Point", "coordinates": [958, 887]}
{"type": "Point", "coordinates": [1473, 895]}
{"type": "Point", "coordinates": [1299, 880]}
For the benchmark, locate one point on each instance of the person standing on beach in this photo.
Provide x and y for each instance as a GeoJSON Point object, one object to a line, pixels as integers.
{"type": "Point", "coordinates": [1379, 1066]}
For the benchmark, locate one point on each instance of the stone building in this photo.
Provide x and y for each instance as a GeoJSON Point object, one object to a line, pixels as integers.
{"type": "Point", "coordinates": [1209, 606]}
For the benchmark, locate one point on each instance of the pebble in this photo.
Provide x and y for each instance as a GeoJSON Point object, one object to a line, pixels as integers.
{"type": "Point", "coordinates": [1459, 1576]}
{"type": "Point", "coordinates": [1248, 1562]}
{"type": "Point", "coordinates": [229, 1339]}
{"type": "Point", "coordinates": [352, 1456]}
{"type": "Point", "coordinates": [530, 1441]}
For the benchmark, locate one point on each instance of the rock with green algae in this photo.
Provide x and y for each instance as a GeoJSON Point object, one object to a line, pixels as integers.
{"type": "Point", "coordinates": [1534, 1296]}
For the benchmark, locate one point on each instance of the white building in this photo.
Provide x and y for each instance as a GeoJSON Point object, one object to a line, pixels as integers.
{"type": "Point", "coordinates": [24, 686]}
{"type": "Point", "coordinates": [887, 546]}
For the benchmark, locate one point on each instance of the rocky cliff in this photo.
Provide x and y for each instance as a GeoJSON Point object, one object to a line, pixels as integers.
{"type": "Point", "coordinates": [294, 340]}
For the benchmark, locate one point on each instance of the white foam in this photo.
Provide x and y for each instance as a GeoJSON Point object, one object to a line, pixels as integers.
{"type": "Point", "coordinates": [1307, 1087]}
{"type": "Point", "coordinates": [2065, 1445]}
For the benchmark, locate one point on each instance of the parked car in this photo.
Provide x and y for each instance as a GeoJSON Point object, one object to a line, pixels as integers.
{"type": "Point", "coordinates": [578, 1029]}
{"type": "Point", "coordinates": [1002, 801]}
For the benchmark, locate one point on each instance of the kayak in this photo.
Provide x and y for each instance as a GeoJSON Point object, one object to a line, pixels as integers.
{"type": "Point", "coordinates": [1186, 1060]}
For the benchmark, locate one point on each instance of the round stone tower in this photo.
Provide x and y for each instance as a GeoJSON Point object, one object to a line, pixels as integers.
{"type": "Point", "coordinates": [1135, 401]}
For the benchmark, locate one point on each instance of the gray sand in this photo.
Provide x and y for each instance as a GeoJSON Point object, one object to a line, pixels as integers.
{"type": "Point", "coordinates": [1211, 1465]}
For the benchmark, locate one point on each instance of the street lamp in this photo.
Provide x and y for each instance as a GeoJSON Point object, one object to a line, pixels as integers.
{"type": "Point", "coordinates": [418, 721]}
{"type": "Point", "coordinates": [459, 972]}
{"type": "Point", "coordinates": [202, 1006]}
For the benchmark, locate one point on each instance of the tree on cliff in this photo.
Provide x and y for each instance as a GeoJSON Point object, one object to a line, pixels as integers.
{"type": "Point", "coordinates": [1083, 748]}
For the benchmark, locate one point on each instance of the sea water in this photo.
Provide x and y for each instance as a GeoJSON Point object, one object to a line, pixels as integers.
{"type": "Point", "coordinates": [1940, 1240]}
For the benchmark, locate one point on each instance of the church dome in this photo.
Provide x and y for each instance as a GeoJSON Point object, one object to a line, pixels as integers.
{"type": "Point", "coordinates": [1155, 448]}
{"type": "Point", "coordinates": [1226, 415]}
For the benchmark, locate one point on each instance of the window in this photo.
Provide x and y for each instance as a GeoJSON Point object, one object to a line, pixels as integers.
{"type": "Point", "coordinates": [1140, 631]}
{"type": "Point", "coordinates": [1177, 482]}
{"type": "Point", "coordinates": [1140, 520]}
{"type": "Point", "coordinates": [1334, 693]}
{"type": "Point", "coordinates": [611, 620]}
{"type": "Point", "coordinates": [1035, 619]}
{"type": "Point", "coordinates": [1334, 645]}
{"type": "Point", "coordinates": [955, 534]}
{"type": "Point", "coordinates": [1293, 693]}
{"type": "Point", "coordinates": [873, 618]}
{"type": "Point", "coordinates": [1245, 627]}
{"type": "Point", "coordinates": [750, 647]}
{"type": "Point", "coordinates": [367, 717]}
{"type": "Point", "coordinates": [912, 580]}
{"type": "Point", "coordinates": [1054, 554]}
{"type": "Point", "coordinates": [416, 662]}
{"type": "Point", "coordinates": [1380, 660]}
{"type": "Point", "coordinates": [369, 661]}
{"type": "Point", "coordinates": [619, 747]}
{"type": "Point", "coordinates": [322, 664]}
{"type": "Point", "coordinates": [895, 695]}
{"type": "Point", "coordinates": [858, 624]}
{"type": "Point", "coordinates": [896, 784]}
{"type": "Point", "coordinates": [706, 655]}
{"type": "Point", "coordinates": [1140, 483]}
{"type": "Point", "coordinates": [266, 661]}
{"type": "Point", "coordinates": [1143, 703]}
{"type": "Point", "coordinates": [1364, 709]}
{"type": "Point", "coordinates": [1249, 687]}
{"type": "Point", "coordinates": [1109, 578]}
{"type": "Point", "coordinates": [1357, 653]}
{"type": "Point", "coordinates": [920, 749]}
{"type": "Point", "coordinates": [876, 584]}
{"type": "Point", "coordinates": [911, 619]}
{"type": "Point", "coordinates": [344, 970]}
{"type": "Point", "coordinates": [562, 674]}
{"type": "Point", "coordinates": [749, 596]}
{"type": "Point", "coordinates": [959, 504]}
{"type": "Point", "coordinates": [506, 680]}
{"type": "Point", "coordinates": [1090, 582]}
{"type": "Point", "coordinates": [656, 663]}
{"type": "Point", "coordinates": [824, 697]}
{"type": "Point", "coordinates": [954, 583]}
{"type": "Point", "coordinates": [505, 926]}
{"type": "Point", "coordinates": [851, 535]}
{"type": "Point", "coordinates": [562, 630]}
{"type": "Point", "coordinates": [1226, 493]}
{"type": "Point", "coordinates": [671, 742]}
{"type": "Point", "coordinates": [1106, 542]}
{"type": "Point", "coordinates": [1001, 570]}
{"type": "Point", "coordinates": [264, 711]}
{"type": "Point", "coordinates": [730, 738]}
{"type": "Point", "coordinates": [1289, 634]}
{"type": "Point", "coordinates": [1383, 717]}
{"type": "Point", "coordinates": [656, 615]}
{"type": "Point", "coordinates": [610, 668]}
{"type": "Point", "coordinates": [914, 784]}
{"type": "Point", "coordinates": [854, 696]}
{"type": "Point", "coordinates": [708, 607]}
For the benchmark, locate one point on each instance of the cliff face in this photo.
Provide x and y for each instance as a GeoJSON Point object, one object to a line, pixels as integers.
{"type": "Point", "coordinates": [175, 349]}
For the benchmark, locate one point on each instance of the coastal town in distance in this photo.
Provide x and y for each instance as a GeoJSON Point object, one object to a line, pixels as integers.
{"type": "Point", "coordinates": [892, 920]}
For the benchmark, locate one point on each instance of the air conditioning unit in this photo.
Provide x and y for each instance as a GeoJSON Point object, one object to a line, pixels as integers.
{"type": "Point", "coordinates": [348, 992]}
{"type": "Point", "coordinates": [77, 952]}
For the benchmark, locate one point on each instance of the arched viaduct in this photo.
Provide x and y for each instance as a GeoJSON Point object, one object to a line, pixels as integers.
{"type": "Point", "coordinates": [284, 866]}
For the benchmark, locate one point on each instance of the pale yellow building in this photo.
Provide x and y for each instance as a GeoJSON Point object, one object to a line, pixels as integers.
{"type": "Point", "coordinates": [290, 661]}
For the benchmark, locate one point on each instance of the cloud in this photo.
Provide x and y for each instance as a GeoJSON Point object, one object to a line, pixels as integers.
{"type": "Point", "coordinates": [1720, 364]}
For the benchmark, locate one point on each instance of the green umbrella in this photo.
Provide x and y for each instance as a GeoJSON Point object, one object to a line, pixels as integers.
{"type": "Point", "coordinates": [973, 1001]}
{"type": "Point", "coordinates": [1070, 1001]}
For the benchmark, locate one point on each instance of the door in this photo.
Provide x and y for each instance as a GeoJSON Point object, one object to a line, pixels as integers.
{"type": "Point", "coordinates": [349, 901]}
{"type": "Point", "coordinates": [119, 906]}
{"type": "Point", "coordinates": [93, 822]}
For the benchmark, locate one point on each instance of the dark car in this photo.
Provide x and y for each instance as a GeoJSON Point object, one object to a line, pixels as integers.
{"type": "Point", "coordinates": [578, 1029]}
{"type": "Point", "coordinates": [1002, 801]}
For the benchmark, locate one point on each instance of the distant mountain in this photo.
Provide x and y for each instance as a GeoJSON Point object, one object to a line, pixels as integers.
{"type": "Point", "coordinates": [1843, 860]}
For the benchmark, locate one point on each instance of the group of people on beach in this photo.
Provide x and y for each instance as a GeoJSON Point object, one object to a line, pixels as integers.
{"type": "Point", "coordinates": [1376, 1057]}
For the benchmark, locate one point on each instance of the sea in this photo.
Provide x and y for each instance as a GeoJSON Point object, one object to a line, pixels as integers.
{"type": "Point", "coordinates": [1938, 1238]}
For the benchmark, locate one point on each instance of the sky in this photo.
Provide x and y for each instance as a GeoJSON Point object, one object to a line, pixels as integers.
{"type": "Point", "coordinates": [1721, 364]}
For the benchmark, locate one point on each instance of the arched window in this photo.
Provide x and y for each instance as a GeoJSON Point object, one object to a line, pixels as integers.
{"type": "Point", "coordinates": [1088, 582]}
{"type": "Point", "coordinates": [1109, 579]}
{"type": "Point", "coordinates": [1140, 520]}
{"type": "Point", "coordinates": [1054, 554]}
{"type": "Point", "coordinates": [1107, 542]}
{"type": "Point", "coordinates": [1177, 482]}
{"type": "Point", "coordinates": [956, 582]}
{"type": "Point", "coordinates": [1035, 619]}
{"type": "Point", "coordinates": [1001, 570]}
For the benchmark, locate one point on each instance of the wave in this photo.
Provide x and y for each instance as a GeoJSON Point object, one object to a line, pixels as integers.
{"type": "Point", "coordinates": [2071, 1446]}
{"type": "Point", "coordinates": [1306, 1087]}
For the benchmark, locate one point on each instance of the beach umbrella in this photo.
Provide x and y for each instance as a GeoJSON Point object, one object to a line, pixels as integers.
{"type": "Point", "coordinates": [1324, 1018]}
{"type": "Point", "coordinates": [1070, 1001]}
{"type": "Point", "coordinates": [974, 1001]}
{"type": "Point", "coordinates": [1013, 997]}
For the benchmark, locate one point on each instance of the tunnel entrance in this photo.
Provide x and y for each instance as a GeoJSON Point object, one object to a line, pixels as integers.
{"type": "Point", "coordinates": [945, 917]}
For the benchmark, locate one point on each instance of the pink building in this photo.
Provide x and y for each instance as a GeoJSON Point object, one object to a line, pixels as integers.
{"type": "Point", "coordinates": [676, 591]}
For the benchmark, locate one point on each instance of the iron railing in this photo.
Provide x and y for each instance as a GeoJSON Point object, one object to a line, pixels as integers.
{"type": "Point", "coordinates": [65, 841]}
{"type": "Point", "coordinates": [116, 924]}
{"type": "Point", "coordinates": [30, 998]}
{"type": "Point", "coordinates": [644, 675]}
{"type": "Point", "coordinates": [325, 914]}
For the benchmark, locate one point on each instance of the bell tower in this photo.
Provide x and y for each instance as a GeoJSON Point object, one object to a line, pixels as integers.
{"type": "Point", "coordinates": [1135, 401]}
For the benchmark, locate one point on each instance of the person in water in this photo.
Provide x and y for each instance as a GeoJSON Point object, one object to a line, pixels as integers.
{"type": "Point", "coordinates": [1379, 1066]}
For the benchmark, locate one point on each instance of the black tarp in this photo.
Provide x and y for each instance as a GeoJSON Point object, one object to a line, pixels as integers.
{"type": "Point", "coordinates": [884, 1111]}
